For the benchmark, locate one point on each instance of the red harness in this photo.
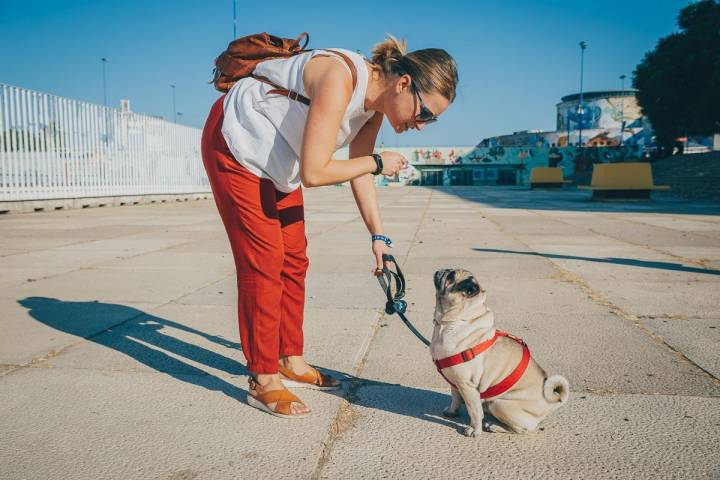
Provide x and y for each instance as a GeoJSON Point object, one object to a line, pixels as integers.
{"type": "Point", "coordinates": [467, 355]}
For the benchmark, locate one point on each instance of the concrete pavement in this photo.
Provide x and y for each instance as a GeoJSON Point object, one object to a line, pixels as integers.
{"type": "Point", "coordinates": [119, 354]}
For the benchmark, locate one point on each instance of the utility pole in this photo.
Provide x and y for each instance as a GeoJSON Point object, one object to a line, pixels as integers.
{"type": "Point", "coordinates": [234, 19]}
{"type": "Point", "coordinates": [581, 107]}
{"type": "Point", "coordinates": [622, 108]}
{"type": "Point", "coordinates": [104, 61]}
{"type": "Point", "coordinates": [174, 109]}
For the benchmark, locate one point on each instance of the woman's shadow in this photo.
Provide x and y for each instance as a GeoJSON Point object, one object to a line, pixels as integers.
{"type": "Point", "coordinates": [146, 337]}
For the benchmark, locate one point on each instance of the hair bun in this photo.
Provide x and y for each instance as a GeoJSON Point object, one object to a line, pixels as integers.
{"type": "Point", "coordinates": [388, 52]}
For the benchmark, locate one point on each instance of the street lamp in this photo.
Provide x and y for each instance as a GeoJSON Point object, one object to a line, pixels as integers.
{"type": "Point", "coordinates": [234, 19]}
{"type": "Point", "coordinates": [622, 107]}
{"type": "Point", "coordinates": [104, 61]}
{"type": "Point", "coordinates": [581, 109]}
{"type": "Point", "coordinates": [174, 109]}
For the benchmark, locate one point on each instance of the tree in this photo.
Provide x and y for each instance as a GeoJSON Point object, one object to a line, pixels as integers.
{"type": "Point", "coordinates": [679, 81]}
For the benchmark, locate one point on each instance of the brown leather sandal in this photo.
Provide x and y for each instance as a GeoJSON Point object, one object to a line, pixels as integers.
{"type": "Point", "coordinates": [311, 379]}
{"type": "Point", "coordinates": [283, 400]}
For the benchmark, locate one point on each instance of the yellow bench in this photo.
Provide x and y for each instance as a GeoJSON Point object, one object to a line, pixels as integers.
{"type": "Point", "coordinates": [547, 177]}
{"type": "Point", "coordinates": [622, 181]}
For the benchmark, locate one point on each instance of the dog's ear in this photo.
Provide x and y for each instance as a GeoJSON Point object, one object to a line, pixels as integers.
{"type": "Point", "coordinates": [469, 287]}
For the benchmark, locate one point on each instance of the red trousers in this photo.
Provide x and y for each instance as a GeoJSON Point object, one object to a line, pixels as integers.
{"type": "Point", "coordinates": [266, 229]}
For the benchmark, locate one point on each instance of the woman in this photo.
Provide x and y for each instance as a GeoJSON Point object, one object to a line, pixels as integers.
{"type": "Point", "coordinates": [258, 147]}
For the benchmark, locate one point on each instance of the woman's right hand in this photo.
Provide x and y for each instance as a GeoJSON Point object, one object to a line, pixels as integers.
{"type": "Point", "coordinates": [393, 162]}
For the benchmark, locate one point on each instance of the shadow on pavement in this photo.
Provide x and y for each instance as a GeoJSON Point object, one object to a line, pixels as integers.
{"type": "Point", "coordinates": [678, 267]}
{"type": "Point", "coordinates": [572, 199]}
{"type": "Point", "coordinates": [140, 335]}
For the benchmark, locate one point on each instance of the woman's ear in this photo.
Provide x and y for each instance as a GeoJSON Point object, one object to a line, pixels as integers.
{"type": "Point", "coordinates": [403, 83]}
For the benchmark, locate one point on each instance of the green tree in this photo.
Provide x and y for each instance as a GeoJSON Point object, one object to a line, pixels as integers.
{"type": "Point", "coordinates": [679, 81]}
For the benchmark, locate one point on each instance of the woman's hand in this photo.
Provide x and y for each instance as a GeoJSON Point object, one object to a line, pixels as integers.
{"type": "Point", "coordinates": [393, 162]}
{"type": "Point", "coordinates": [379, 248]}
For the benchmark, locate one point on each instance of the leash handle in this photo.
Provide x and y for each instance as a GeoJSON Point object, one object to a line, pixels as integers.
{"type": "Point", "coordinates": [397, 275]}
{"type": "Point", "coordinates": [395, 303]}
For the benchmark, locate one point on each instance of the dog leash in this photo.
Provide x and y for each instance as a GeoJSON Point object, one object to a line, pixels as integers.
{"type": "Point", "coordinates": [395, 302]}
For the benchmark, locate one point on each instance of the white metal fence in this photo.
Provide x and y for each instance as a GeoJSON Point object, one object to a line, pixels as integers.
{"type": "Point", "coordinates": [53, 147]}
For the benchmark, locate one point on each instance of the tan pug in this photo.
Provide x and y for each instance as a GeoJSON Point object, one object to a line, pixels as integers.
{"type": "Point", "coordinates": [462, 321]}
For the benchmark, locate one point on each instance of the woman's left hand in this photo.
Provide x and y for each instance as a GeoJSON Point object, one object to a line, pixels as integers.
{"type": "Point", "coordinates": [379, 248]}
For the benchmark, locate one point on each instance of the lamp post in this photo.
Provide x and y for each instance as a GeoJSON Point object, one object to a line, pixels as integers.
{"type": "Point", "coordinates": [622, 108]}
{"type": "Point", "coordinates": [234, 19]}
{"type": "Point", "coordinates": [581, 108]}
{"type": "Point", "coordinates": [174, 109]}
{"type": "Point", "coordinates": [104, 61]}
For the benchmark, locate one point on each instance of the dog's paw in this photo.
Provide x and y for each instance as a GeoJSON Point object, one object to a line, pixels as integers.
{"type": "Point", "coordinates": [450, 413]}
{"type": "Point", "coordinates": [493, 428]}
{"type": "Point", "coordinates": [471, 432]}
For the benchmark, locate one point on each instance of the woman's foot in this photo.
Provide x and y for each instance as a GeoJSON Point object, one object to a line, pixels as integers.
{"type": "Point", "coordinates": [296, 372]}
{"type": "Point", "coordinates": [268, 393]}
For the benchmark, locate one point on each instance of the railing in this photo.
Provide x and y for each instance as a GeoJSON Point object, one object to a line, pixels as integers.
{"type": "Point", "coordinates": [53, 147]}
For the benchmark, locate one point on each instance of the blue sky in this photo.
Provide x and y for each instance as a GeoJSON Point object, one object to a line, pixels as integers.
{"type": "Point", "coordinates": [516, 58]}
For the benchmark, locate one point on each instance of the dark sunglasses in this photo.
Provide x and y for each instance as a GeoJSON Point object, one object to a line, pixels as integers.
{"type": "Point", "coordinates": [426, 115]}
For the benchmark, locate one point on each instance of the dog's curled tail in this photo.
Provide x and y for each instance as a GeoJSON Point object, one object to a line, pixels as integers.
{"type": "Point", "coordinates": [556, 389]}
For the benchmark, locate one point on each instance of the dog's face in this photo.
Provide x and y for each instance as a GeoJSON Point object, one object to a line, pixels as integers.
{"type": "Point", "coordinates": [458, 290]}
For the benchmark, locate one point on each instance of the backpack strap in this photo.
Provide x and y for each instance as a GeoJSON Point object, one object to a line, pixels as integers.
{"type": "Point", "coordinates": [293, 95]}
{"type": "Point", "coordinates": [348, 61]}
{"type": "Point", "coordinates": [278, 90]}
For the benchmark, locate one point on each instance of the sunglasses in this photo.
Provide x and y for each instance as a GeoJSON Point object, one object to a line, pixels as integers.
{"type": "Point", "coordinates": [426, 115]}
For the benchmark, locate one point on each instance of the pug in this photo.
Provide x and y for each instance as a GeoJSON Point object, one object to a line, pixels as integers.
{"type": "Point", "coordinates": [462, 321]}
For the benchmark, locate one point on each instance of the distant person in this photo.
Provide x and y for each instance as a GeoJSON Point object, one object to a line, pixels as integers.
{"type": "Point", "coordinates": [258, 147]}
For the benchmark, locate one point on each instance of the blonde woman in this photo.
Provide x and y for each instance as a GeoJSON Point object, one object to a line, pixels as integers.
{"type": "Point", "coordinates": [258, 148]}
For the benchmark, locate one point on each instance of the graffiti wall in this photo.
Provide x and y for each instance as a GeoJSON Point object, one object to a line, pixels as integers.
{"type": "Point", "coordinates": [600, 113]}
{"type": "Point", "coordinates": [571, 159]}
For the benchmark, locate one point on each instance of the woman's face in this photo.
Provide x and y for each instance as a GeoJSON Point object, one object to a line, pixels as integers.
{"type": "Point", "coordinates": [405, 104]}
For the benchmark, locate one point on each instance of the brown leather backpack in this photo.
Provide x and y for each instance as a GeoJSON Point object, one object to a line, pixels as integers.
{"type": "Point", "coordinates": [243, 54]}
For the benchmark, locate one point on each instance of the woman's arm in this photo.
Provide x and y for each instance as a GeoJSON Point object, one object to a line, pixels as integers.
{"type": "Point", "coordinates": [329, 86]}
{"type": "Point", "coordinates": [363, 187]}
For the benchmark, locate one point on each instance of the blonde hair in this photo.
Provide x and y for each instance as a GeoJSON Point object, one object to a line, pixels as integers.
{"type": "Point", "coordinates": [432, 69]}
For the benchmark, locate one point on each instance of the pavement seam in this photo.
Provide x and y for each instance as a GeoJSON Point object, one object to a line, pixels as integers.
{"type": "Point", "coordinates": [700, 263]}
{"type": "Point", "coordinates": [351, 220]}
{"type": "Point", "coordinates": [346, 414]}
{"type": "Point", "coordinates": [639, 222]}
{"type": "Point", "coordinates": [78, 269]}
{"type": "Point", "coordinates": [598, 298]}
{"type": "Point", "coordinates": [574, 279]}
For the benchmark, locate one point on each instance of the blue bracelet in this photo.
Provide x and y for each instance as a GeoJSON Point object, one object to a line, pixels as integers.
{"type": "Point", "coordinates": [383, 238]}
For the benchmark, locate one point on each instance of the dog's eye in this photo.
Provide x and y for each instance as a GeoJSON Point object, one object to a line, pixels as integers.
{"type": "Point", "coordinates": [469, 287]}
{"type": "Point", "coordinates": [450, 279]}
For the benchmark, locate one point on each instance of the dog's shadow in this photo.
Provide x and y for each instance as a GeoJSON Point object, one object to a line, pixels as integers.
{"type": "Point", "coordinates": [149, 340]}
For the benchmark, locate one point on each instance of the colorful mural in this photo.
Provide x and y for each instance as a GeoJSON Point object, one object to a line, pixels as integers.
{"type": "Point", "coordinates": [571, 159]}
{"type": "Point", "coordinates": [601, 110]}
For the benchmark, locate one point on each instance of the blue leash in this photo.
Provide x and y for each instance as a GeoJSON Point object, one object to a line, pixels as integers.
{"type": "Point", "coordinates": [395, 302]}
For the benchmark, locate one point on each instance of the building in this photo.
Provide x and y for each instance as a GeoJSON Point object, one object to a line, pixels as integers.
{"type": "Point", "coordinates": [608, 118]}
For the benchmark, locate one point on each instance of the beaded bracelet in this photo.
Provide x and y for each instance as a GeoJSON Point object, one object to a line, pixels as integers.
{"type": "Point", "coordinates": [383, 238]}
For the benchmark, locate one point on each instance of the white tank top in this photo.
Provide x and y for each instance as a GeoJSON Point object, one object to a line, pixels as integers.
{"type": "Point", "coordinates": [264, 132]}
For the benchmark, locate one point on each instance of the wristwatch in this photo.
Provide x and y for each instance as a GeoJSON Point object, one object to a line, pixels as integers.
{"type": "Point", "coordinates": [378, 163]}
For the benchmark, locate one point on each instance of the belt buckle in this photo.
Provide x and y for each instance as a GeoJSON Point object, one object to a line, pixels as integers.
{"type": "Point", "coordinates": [467, 355]}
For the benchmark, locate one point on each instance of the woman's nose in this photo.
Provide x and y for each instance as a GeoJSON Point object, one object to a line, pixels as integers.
{"type": "Point", "coordinates": [419, 125]}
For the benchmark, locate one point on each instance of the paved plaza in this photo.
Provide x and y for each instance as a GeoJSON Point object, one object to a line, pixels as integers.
{"type": "Point", "coordinates": [119, 353]}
